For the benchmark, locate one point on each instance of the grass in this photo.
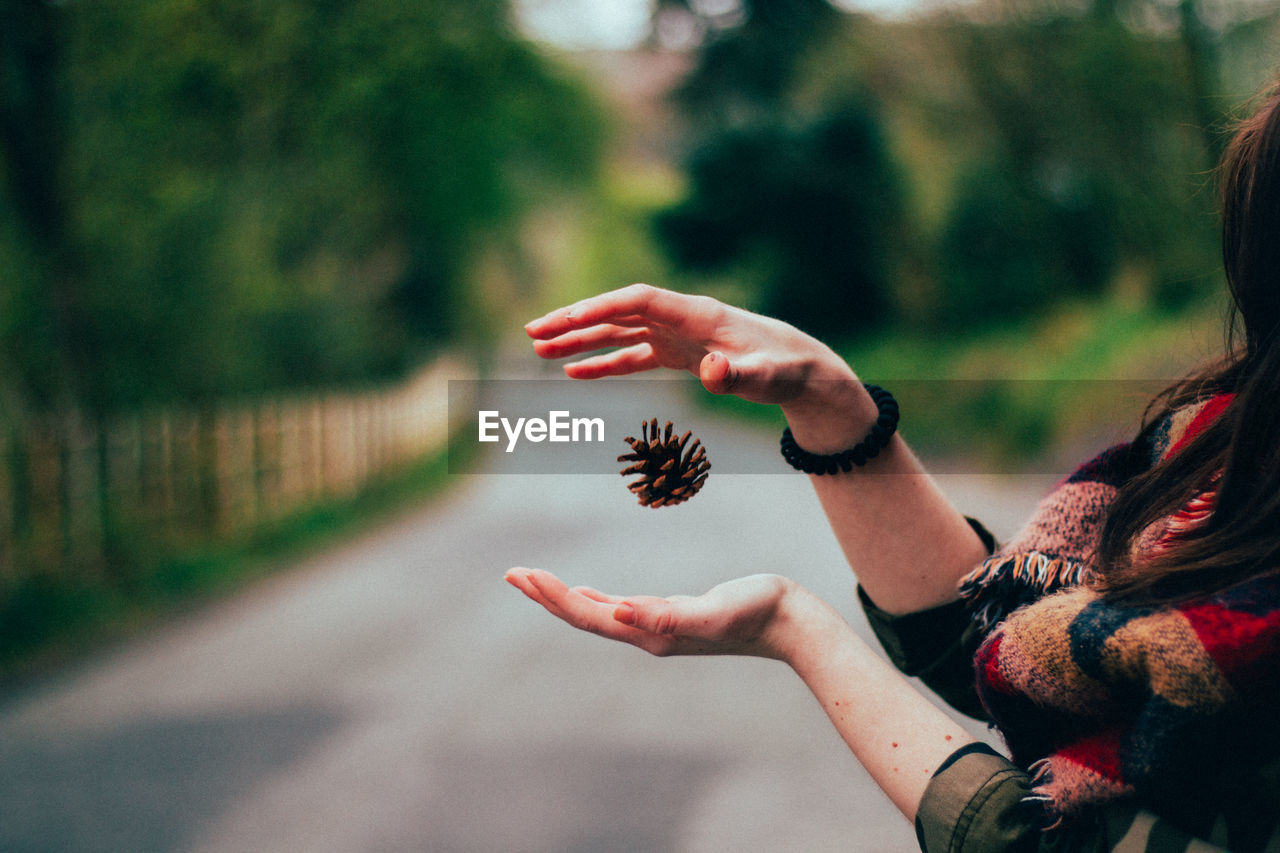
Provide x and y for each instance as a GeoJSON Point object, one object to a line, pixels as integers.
{"type": "Point", "coordinates": [1018, 393]}
{"type": "Point", "coordinates": [48, 620]}
{"type": "Point", "coordinates": [1039, 391]}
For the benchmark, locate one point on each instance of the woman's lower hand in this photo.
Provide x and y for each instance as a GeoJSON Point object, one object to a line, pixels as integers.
{"type": "Point", "coordinates": [730, 350]}
{"type": "Point", "coordinates": [885, 722]}
{"type": "Point", "coordinates": [747, 616]}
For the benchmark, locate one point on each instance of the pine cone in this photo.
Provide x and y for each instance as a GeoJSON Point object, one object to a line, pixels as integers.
{"type": "Point", "coordinates": [667, 478]}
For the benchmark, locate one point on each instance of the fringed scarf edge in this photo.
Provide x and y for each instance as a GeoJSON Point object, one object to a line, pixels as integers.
{"type": "Point", "coordinates": [1005, 582]}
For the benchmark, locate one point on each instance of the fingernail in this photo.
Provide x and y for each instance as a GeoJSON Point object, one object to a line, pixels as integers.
{"type": "Point", "coordinates": [625, 614]}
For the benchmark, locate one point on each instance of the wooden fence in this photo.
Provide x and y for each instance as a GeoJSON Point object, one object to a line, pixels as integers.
{"type": "Point", "coordinates": [75, 494]}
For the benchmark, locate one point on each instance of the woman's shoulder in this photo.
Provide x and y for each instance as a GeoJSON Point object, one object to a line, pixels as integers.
{"type": "Point", "coordinates": [1052, 550]}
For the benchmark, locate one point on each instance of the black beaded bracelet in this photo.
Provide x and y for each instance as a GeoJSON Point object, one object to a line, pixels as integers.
{"type": "Point", "coordinates": [815, 463]}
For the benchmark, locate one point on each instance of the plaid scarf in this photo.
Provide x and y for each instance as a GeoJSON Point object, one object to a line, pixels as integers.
{"type": "Point", "coordinates": [1103, 701]}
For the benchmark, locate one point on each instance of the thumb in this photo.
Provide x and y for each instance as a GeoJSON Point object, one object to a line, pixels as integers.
{"type": "Point", "coordinates": [654, 615]}
{"type": "Point", "coordinates": [717, 374]}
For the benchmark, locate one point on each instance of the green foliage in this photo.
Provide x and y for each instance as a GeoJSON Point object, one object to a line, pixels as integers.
{"type": "Point", "coordinates": [1067, 383]}
{"type": "Point", "coordinates": [802, 200]}
{"type": "Point", "coordinates": [752, 56]}
{"type": "Point", "coordinates": [1026, 156]}
{"type": "Point", "coordinates": [1091, 157]}
{"type": "Point", "coordinates": [815, 206]}
{"type": "Point", "coordinates": [1009, 251]}
{"type": "Point", "coordinates": [266, 195]}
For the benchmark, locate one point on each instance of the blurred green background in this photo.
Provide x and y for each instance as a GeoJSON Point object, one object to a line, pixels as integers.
{"type": "Point", "coordinates": [209, 199]}
{"type": "Point", "coordinates": [205, 201]}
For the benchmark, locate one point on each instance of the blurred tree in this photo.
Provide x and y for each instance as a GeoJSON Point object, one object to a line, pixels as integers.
{"type": "Point", "coordinates": [1010, 249]}
{"type": "Point", "coordinates": [1091, 157]}
{"type": "Point", "coordinates": [267, 195]}
{"type": "Point", "coordinates": [812, 208]}
{"type": "Point", "coordinates": [1035, 152]}
{"type": "Point", "coordinates": [749, 53]}
{"type": "Point", "coordinates": [45, 335]}
{"type": "Point", "coordinates": [803, 201]}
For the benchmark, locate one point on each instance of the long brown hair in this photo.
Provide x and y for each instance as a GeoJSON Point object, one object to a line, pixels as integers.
{"type": "Point", "coordinates": [1241, 539]}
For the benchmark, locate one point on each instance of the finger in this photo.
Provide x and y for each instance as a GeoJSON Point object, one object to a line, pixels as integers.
{"type": "Point", "coordinates": [654, 304]}
{"type": "Point", "coordinates": [651, 615]}
{"type": "Point", "coordinates": [597, 595]}
{"type": "Point", "coordinates": [558, 600]}
{"type": "Point", "coordinates": [632, 320]}
{"type": "Point", "coordinates": [626, 321]}
{"type": "Point", "coordinates": [718, 375]}
{"type": "Point", "coordinates": [594, 338]}
{"type": "Point", "coordinates": [519, 578]}
{"type": "Point", "coordinates": [582, 612]}
{"type": "Point", "coordinates": [548, 590]}
{"type": "Point", "coordinates": [750, 377]}
{"type": "Point", "coordinates": [516, 577]}
{"type": "Point", "coordinates": [550, 593]}
{"type": "Point", "coordinates": [633, 359]}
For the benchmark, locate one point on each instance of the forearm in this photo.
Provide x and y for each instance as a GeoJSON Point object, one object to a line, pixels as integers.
{"type": "Point", "coordinates": [905, 541]}
{"type": "Point", "coordinates": [899, 737]}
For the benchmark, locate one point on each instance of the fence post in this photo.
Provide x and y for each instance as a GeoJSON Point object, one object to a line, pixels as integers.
{"type": "Point", "coordinates": [328, 453]}
{"type": "Point", "coordinates": [207, 445]}
{"type": "Point", "coordinates": [124, 472]}
{"type": "Point", "coordinates": [234, 453]}
{"type": "Point", "coordinates": [268, 452]}
{"type": "Point", "coordinates": [44, 498]}
{"type": "Point", "coordinates": [152, 468]}
{"type": "Point", "coordinates": [246, 477]}
{"type": "Point", "coordinates": [186, 469]}
{"type": "Point", "coordinates": [81, 489]}
{"type": "Point", "coordinates": [363, 440]}
{"type": "Point", "coordinates": [378, 434]}
{"type": "Point", "coordinates": [222, 471]}
{"type": "Point", "coordinates": [292, 475]}
{"type": "Point", "coordinates": [339, 445]}
{"type": "Point", "coordinates": [316, 463]}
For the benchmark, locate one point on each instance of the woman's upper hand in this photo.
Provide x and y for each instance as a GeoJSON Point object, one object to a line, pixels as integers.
{"type": "Point", "coordinates": [730, 350]}
{"type": "Point", "coordinates": [747, 616]}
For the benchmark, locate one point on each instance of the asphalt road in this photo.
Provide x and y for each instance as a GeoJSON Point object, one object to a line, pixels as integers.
{"type": "Point", "coordinates": [394, 694]}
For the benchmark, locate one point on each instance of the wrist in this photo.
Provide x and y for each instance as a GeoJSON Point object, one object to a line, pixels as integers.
{"type": "Point", "coordinates": [801, 627]}
{"type": "Point", "coordinates": [832, 413]}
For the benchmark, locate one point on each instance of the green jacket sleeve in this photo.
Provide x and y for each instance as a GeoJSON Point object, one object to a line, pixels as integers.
{"type": "Point", "coordinates": [935, 645]}
{"type": "Point", "coordinates": [976, 803]}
